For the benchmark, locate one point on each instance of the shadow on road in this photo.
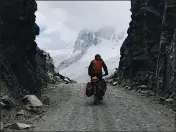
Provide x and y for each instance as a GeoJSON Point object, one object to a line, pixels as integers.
{"type": "Point", "coordinates": [90, 102]}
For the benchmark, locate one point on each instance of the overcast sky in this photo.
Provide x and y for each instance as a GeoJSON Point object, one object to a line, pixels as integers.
{"type": "Point", "coordinates": [60, 21]}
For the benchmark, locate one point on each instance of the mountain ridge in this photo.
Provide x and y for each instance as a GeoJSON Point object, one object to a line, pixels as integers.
{"type": "Point", "coordinates": [86, 39]}
{"type": "Point", "coordinates": [75, 67]}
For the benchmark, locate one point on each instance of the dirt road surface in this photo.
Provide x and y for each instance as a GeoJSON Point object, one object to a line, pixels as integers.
{"type": "Point", "coordinates": [120, 111]}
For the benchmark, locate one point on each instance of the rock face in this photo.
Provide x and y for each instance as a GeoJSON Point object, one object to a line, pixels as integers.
{"type": "Point", "coordinates": [148, 54]}
{"type": "Point", "coordinates": [20, 64]}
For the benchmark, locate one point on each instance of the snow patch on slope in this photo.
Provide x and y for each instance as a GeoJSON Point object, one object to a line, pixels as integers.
{"type": "Point", "coordinates": [106, 49]}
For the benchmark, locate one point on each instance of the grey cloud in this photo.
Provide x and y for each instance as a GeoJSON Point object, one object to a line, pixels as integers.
{"type": "Point", "coordinates": [54, 42]}
{"type": "Point", "coordinates": [84, 14]}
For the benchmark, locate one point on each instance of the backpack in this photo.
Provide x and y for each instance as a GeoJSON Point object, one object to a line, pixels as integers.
{"type": "Point", "coordinates": [89, 89]}
{"type": "Point", "coordinates": [102, 86]}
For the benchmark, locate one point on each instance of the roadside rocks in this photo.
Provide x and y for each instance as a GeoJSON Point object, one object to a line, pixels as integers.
{"type": "Point", "coordinates": [147, 93]}
{"type": "Point", "coordinates": [1, 125]}
{"type": "Point", "coordinates": [32, 104]}
{"type": "Point", "coordinates": [146, 90]}
{"type": "Point", "coordinates": [143, 87]}
{"type": "Point", "coordinates": [109, 80]}
{"type": "Point", "coordinates": [29, 109]}
{"type": "Point", "coordinates": [20, 126]}
{"type": "Point", "coordinates": [61, 78]}
{"type": "Point", "coordinates": [66, 80]}
{"type": "Point", "coordinates": [114, 83]}
{"type": "Point", "coordinates": [21, 112]}
{"type": "Point", "coordinates": [162, 99]}
{"type": "Point", "coordinates": [6, 102]}
{"type": "Point", "coordinates": [127, 87]}
{"type": "Point", "coordinates": [169, 101]}
{"type": "Point", "coordinates": [37, 110]}
{"type": "Point", "coordinates": [32, 101]}
{"type": "Point", "coordinates": [46, 100]}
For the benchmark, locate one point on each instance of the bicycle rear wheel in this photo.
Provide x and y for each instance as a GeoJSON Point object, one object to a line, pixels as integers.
{"type": "Point", "coordinates": [95, 95]}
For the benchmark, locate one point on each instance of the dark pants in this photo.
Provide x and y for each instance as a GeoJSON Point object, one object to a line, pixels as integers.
{"type": "Point", "coordinates": [98, 75]}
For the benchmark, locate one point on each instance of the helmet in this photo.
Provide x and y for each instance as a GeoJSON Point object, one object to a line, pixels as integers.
{"type": "Point", "coordinates": [97, 56]}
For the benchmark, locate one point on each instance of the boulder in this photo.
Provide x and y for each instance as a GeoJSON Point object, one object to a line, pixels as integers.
{"type": "Point", "coordinates": [67, 80]}
{"type": "Point", "coordinates": [32, 100]}
{"type": "Point", "coordinates": [114, 83]}
{"type": "Point", "coordinates": [36, 110]}
{"type": "Point", "coordinates": [7, 125]}
{"type": "Point", "coordinates": [28, 108]}
{"type": "Point", "coordinates": [143, 86]}
{"type": "Point", "coordinates": [21, 112]}
{"type": "Point", "coordinates": [147, 92]}
{"type": "Point", "coordinates": [6, 102]}
{"type": "Point", "coordinates": [2, 105]}
{"type": "Point", "coordinates": [1, 125]}
{"type": "Point", "coordinates": [169, 101]}
{"type": "Point", "coordinates": [20, 126]}
{"type": "Point", "coordinates": [127, 87]}
{"type": "Point", "coordinates": [139, 91]}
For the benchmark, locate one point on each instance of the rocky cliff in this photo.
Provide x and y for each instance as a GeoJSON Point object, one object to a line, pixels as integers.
{"type": "Point", "coordinates": [148, 54]}
{"type": "Point", "coordinates": [23, 66]}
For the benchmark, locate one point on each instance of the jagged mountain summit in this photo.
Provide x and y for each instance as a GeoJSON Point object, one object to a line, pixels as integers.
{"type": "Point", "coordinates": [84, 40]}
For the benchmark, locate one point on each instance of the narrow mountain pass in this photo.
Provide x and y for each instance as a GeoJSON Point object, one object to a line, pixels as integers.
{"type": "Point", "coordinates": [120, 111]}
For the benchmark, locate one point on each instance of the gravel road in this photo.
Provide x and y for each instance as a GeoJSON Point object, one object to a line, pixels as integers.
{"type": "Point", "coordinates": [120, 111]}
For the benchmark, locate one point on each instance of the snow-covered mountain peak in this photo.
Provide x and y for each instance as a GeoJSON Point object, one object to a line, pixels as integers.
{"type": "Point", "coordinates": [117, 36]}
{"type": "Point", "coordinates": [108, 50]}
{"type": "Point", "coordinates": [84, 31]}
{"type": "Point", "coordinates": [105, 42]}
{"type": "Point", "coordinates": [85, 39]}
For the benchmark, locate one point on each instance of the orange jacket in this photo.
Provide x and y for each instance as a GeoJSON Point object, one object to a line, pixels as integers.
{"type": "Point", "coordinates": [96, 67]}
